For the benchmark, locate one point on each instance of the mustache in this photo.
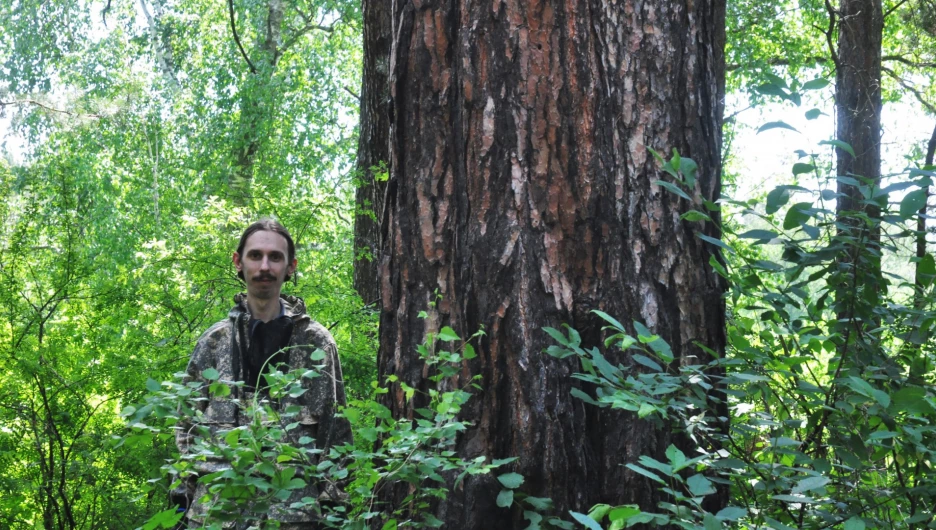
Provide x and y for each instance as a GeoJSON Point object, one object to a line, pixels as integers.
{"type": "Point", "coordinates": [264, 276]}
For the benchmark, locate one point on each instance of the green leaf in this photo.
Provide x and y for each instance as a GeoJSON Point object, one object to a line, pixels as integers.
{"type": "Point", "coordinates": [797, 215]}
{"type": "Point", "coordinates": [799, 168]}
{"type": "Point", "coordinates": [777, 198]}
{"type": "Point", "coordinates": [534, 519]}
{"type": "Point", "coordinates": [688, 168]}
{"type": "Point", "coordinates": [610, 320]}
{"type": "Point", "coordinates": [731, 513]}
{"type": "Point", "coordinates": [644, 472]}
{"type": "Point", "coordinates": [211, 374]}
{"type": "Point", "coordinates": [557, 335]}
{"type": "Point", "coordinates": [816, 84]}
{"type": "Point", "coordinates": [673, 189]}
{"type": "Point", "coordinates": [809, 484]}
{"type": "Point", "coordinates": [510, 480]}
{"type": "Point", "coordinates": [579, 394]}
{"type": "Point", "coordinates": [912, 203]}
{"type": "Point", "coordinates": [164, 519]}
{"type": "Point", "coordinates": [911, 400]}
{"type": "Point", "coordinates": [469, 352]}
{"type": "Point", "coordinates": [812, 114]}
{"type": "Point", "coordinates": [717, 242]}
{"type": "Point", "coordinates": [539, 503]}
{"type": "Point", "coordinates": [777, 525]}
{"type": "Point", "coordinates": [389, 525]}
{"type": "Point", "coordinates": [623, 513]}
{"type": "Point", "coordinates": [152, 385]}
{"type": "Point", "coordinates": [855, 523]}
{"type": "Point", "coordinates": [840, 144]}
{"type": "Point", "coordinates": [695, 215]}
{"type": "Point", "coordinates": [760, 235]}
{"type": "Point", "coordinates": [676, 457]}
{"type": "Point", "coordinates": [646, 361]}
{"type": "Point", "coordinates": [700, 486]}
{"type": "Point", "coordinates": [585, 520]}
{"type": "Point", "coordinates": [775, 125]}
{"type": "Point", "coordinates": [598, 511]}
{"type": "Point", "coordinates": [793, 498]}
{"type": "Point", "coordinates": [926, 269]}
{"type": "Point", "coordinates": [711, 523]}
{"type": "Point", "coordinates": [505, 498]}
{"type": "Point", "coordinates": [447, 334]}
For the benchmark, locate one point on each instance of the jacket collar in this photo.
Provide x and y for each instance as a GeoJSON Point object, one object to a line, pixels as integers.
{"type": "Point", "coordinates": [293, 307]}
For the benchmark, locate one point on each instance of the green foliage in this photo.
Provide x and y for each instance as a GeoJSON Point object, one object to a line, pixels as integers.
{"type": "Point", "coordinates": [116, 228]}
{"type": "Point", "coordinates": [827, 381]}
{"type": "Point", "coordinates": [260, 469]}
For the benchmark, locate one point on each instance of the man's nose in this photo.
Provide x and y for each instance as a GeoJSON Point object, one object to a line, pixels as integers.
{"type": "Point", "coordinates": [265, 264]}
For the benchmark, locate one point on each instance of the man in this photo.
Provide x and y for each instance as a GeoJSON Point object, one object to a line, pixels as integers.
{"type": "Point", "coordinates": [264, 329]}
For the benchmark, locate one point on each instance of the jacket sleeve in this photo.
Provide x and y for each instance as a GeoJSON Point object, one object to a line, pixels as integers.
{"type": "Point", "coordinates": [325, 391]}
{"type": "Point", "coordinates": [198, 362]}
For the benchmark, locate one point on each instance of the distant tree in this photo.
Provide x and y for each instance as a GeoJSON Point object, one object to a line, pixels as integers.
{"type": "Point", "coordinates": [373, 147]}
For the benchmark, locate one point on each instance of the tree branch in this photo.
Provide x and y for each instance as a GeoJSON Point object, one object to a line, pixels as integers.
{"type": "Point", "coordinates": [908, 62]}
{"type": "Point", "coordinates": [20, 102]}
{"type": "Point", "coordinates": [916, 92]}
{"type": "Point", "coordinates": [302, 31]}
{"type": "Point", "coordinates": [781, 61]}
{"type": "Point", "coordinates": [828, 33]}
{"type": "Point", "coordinates": [891, 10]}
{"type": "Point", "coordinates": [237, 39]}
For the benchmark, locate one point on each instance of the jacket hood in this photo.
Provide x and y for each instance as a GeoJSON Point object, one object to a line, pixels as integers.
{"type": "Point", "coordinates": [293, 306]}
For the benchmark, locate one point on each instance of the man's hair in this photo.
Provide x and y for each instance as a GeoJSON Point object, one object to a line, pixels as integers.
{"type": "Point", "coordinates": [268, 225]}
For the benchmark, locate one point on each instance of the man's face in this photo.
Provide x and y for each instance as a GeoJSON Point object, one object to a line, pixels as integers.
{"type": "Point", "coordinates": [265, 264]}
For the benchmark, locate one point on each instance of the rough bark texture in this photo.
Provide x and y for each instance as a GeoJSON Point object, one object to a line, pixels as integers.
{"type": "Point", "coordinates": [522, 195]}
{"type": "Point", "coordinates": [373, 147]}
{"type": "Point", "coordinates": [858, 96]}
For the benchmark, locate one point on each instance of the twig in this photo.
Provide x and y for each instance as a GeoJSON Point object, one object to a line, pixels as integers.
{"type": "Point", "coordinates": [349, 91]}
{"type": "Point", "coordinates": [46, 107]}
{"type": "Point", "coordinates": [919, 95]}
{"type": "Point", "coordinates": [828, 33]}
{"type": "Point", "coordinates": [891, 10]}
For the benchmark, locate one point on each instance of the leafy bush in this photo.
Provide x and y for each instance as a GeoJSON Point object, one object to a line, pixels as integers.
{"type": "Point", "coordinates": [827, 377]}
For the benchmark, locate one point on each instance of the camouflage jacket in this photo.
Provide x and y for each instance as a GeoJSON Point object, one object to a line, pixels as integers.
{"type": "Point", "coordinates": [222, 347]}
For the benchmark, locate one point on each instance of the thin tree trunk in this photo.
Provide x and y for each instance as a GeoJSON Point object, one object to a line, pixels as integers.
{"type": "Point", "coordinates": [858, 113]}
{"type": "Point", "coordinates": [858, 99]}
{"type": "Point", "coordinates": [921, 222]}
{"type": "Point", "coordinates": [373, 147]}
{"type": "Point", "coordinates": [523, 195]}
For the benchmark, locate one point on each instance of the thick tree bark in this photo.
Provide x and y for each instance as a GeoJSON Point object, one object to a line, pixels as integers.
{"type": "Point", "coordinates": [373, 147]}
{"type": "Point", "coordinates": [858, 97]}
{"type": "Point", "coordinates": [522, 195]}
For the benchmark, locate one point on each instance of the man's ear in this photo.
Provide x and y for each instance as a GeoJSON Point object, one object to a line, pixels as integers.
{"type": "Point", "coordinates": [237, 262]}
{"type": "Point", "coordinates": [292, 267]}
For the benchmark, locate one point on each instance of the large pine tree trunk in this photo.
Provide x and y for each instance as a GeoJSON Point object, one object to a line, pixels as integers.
{"type": "Point", "coordinates": [522, 195]}
{"type": "Point", "coordinates": [373, 147]}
